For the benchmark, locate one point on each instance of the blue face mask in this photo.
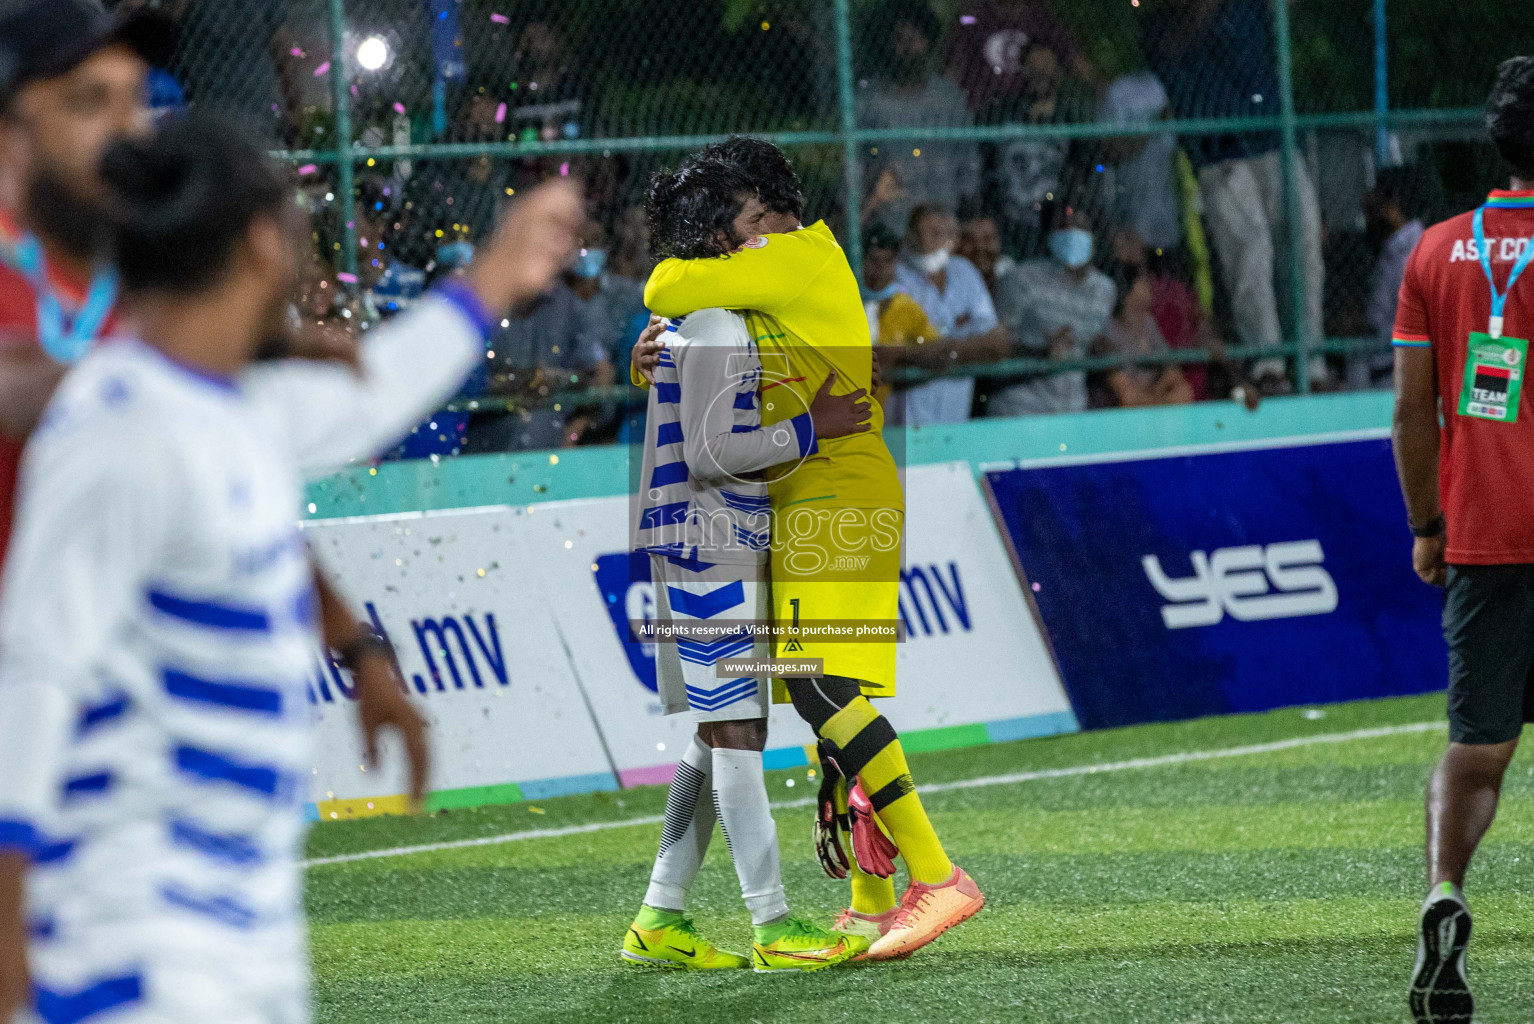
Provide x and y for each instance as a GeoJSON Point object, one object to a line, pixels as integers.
{"type": "Point", "coordinates": [879, 296]}
{"type": "Point", "coordinates": [590, 263]}
{"type": "Point", "coordinates": [1071, 246]}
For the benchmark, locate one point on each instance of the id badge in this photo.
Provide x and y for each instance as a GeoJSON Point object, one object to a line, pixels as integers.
{"type": "Point", "coordinates": [1493, 378]}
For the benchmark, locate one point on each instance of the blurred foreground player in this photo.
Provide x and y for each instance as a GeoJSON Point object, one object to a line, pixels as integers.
{"type": "Point", "coordinates": [1462, 334]}
{"type": "Point", "coordinates": [157, 619]}
{"type": "Point", "coordinates": [77, 81]}
{"type": "Point", "coordinates": [702, 516]}
{"type": "Point", "coordinates": [837, 524]}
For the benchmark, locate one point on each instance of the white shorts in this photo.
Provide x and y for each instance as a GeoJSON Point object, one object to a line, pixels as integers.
{"type": "Point", "coordinates": [161, 970]}
{"type": "Point", "coordinates": [685, 671]}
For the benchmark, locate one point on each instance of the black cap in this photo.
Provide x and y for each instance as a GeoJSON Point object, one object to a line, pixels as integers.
{"type": "Point", "coordinates": [44, 38]}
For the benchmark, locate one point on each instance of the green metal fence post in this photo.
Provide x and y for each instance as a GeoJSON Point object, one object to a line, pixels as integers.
{"type": "Point", "coordinates": [345, 205]}
{"type": "Point", "coordinates": [1381, 85]}
{"type": "Point", "coordinates": [852, 176]}
{"type": "Point", "coordinates": [1290, 158]}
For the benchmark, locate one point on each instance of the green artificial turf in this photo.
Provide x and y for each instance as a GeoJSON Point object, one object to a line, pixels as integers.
{"type": "Point", "coordinates": [1276, 887]}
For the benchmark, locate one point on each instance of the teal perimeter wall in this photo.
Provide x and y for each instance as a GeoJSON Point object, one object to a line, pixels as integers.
{"type": "Point", "coordinates": [525, 478]}
{"type": "Point", "coordinates": [574, 473]}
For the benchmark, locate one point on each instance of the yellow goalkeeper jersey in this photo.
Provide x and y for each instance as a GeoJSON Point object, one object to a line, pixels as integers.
{"type": "Point", "coordinates": [806, 315]}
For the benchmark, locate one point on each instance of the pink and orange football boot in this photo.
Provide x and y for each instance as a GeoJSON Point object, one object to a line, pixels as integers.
{"type": "Point", "coordinates": [927, 911]}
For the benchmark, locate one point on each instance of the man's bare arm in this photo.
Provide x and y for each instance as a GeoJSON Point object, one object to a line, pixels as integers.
{"type": "Point", "coordinates": [14, 986]}
{"type": "Point", "coordinates": [1415, 433]}
{"type": "Point", "coordinates": [28, 379]}
{"type": "Point", "coordinates": [380, 688]}
{"type": "Point", "coordinates": [1414, 436]}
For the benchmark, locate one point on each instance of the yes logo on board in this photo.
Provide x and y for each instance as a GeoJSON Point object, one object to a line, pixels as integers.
{"type": "Point", "coordinates": [1250, 583]}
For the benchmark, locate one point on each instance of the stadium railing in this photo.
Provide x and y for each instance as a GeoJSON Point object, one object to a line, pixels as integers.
{"type": "Point", "coordinates": [365, 93]}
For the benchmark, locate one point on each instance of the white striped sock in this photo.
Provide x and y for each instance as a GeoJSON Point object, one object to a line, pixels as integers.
{"type": "Point", "coordinates": [685, 831]}
{"type": "Point", "coordinates": [740, 794]}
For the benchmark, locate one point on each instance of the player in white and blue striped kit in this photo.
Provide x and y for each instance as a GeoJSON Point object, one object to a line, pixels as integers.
{"type": "Point", "coordinates": [158, 618]}
{"type": "Point", "coordinates": [702, 515]}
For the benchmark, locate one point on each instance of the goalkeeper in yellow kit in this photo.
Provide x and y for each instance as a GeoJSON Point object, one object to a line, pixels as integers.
{"type": "Point", "coordinates": [836, 534]}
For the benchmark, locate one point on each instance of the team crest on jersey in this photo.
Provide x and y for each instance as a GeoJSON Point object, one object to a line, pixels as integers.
{"type": "Point", "coordinates": [758, 242]}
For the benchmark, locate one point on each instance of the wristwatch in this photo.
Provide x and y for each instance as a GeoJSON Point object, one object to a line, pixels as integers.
{"type": "Point", "coordinates": [1432, 528]}
{"type": "Point", "coordinates": [368, 641]}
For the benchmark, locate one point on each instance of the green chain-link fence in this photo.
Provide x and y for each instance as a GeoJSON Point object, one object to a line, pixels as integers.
{"type": "Point", "coordinates": [1234, 150]}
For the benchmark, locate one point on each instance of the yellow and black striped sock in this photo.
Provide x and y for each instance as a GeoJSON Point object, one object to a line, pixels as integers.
{"type": "Point", "coordinates": [870, 750]}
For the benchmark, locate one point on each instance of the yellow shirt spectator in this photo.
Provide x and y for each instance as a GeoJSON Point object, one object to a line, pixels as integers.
{"type": "Point", "coordinates": [902, 323]}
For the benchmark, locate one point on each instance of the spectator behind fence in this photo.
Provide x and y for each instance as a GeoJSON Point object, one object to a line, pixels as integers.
{"type": "Point", "coordinates": [1054, 307]}
{"type": "Point", "coordinates": [1217, 59]}
{"type": "Point", "coordinates": [905, 91]}
{"type": "Point", "coordinates": [952, 293]}
{"type": "Point", "coordinates": [980, 243]}
{"type": "Point", "coordinates": [1022, 174]}
{"type": "Point", "coordinates": [389, 282]}
{"type": "Point", "coordinates": [895, 319]}
{"type": "Point", "coordinates": [608, 302]}
{"type": "Point", "coordinates": [319, 302]}
{"type": "Point", "coordinates": [546, 103]}
{"type": "Point", "coordinates": [452, 200]}
{"type": "Point", "coordinates": [246, 36]}
{"type": "Point", "coordinates": [166, 93]}
{"type": "Point", "coordinates": [554, 345]}
{"type": "Point", "coordinates": [1133, 332]}
{"type": "Point", "coordinates": [1180, 318]}
{"type": "Point", "coordinates": [629, 265]}
{"type": "Point", "coordinates": [896, 322]}
{"type": "Point", "coordinates": [1145, 175]}
{"type": "Point", "coordinates": [631, 257]}
{"type": "Point", "coordinates": [1392, 218]}
{"type": "Point", "coordinates": [985, 51]}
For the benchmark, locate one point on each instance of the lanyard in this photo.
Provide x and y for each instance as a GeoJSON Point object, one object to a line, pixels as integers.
{"type": "Point", "coordinates": [63, 344]}
{"type": "Point", "coordinates": [1498, 299]}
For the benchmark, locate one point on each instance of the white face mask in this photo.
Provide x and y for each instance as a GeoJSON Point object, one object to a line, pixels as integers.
{"type": "Point", "coordinates": [933, 262]}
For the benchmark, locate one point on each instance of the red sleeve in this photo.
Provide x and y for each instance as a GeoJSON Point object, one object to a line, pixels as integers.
{"type": "Point", "coordinates": [1412, 328]}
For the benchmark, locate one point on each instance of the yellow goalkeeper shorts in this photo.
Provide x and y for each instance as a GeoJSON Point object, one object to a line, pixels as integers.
{"type": "Point", "coordinates": [840, 567]}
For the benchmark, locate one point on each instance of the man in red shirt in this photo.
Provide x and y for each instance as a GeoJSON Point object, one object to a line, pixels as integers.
{"type": "Point", "coordinates": [1462, 334]}
{"type": "Point", "coordinates": [69, 97]}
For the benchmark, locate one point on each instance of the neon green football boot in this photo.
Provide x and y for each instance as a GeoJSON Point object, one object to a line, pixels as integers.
{"type": "Point", "coordinates": [666, 939]}
{"type": "Point", "coordinates": [798, 945]}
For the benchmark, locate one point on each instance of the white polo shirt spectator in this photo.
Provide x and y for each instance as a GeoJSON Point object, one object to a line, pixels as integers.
{"type": "Point", "coordinates": [1036, 301]}
{"type": "Point", "coordinates": [960, 308]}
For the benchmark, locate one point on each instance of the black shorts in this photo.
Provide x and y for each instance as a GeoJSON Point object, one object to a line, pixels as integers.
{"type": "Point", "coordinates": [1488, 621]}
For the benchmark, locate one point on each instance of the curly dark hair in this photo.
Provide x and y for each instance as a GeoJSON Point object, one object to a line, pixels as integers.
{"type": "Point", "coordinates": [767, 167]}
{"type": "Point", "coordinates": [1510, 115]}
{"type": "Point", "coordinates": [692, 209]}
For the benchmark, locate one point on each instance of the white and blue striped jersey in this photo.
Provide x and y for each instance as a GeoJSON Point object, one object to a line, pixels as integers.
{"type": "Point", "coordinates": [158, 624]}
{"type": "Point", "coordinates": [701, 491]}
